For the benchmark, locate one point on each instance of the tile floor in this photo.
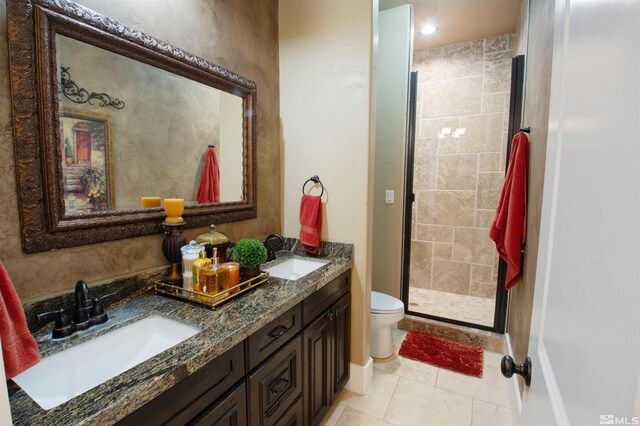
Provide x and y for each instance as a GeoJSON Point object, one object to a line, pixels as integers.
{"type": "Point", "coordinates": [411, 393]}
{"type": "Point", "coordinates": [472, 309]}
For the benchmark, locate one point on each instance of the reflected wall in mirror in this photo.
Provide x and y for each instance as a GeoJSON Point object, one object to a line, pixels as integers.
{"type": "Point", "coordinates": [160, 139]}
{"type": "Point", "coordinates": [161, 119]}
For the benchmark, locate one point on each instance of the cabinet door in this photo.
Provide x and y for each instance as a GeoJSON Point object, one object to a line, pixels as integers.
{"type": "Point", "coordinates": [340, 338]}
{"type": "Point", "coordinates": [231, 410]}
{"type": "Point", "coordinates": [317, 368]}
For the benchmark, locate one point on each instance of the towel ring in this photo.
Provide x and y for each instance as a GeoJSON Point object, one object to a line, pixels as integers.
{"type": "Point", "coordinates": [316, 180]}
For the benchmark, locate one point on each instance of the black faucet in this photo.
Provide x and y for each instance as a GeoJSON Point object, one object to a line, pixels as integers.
{"type": "Point", "coordinates": [87, 313]}
{"type": "Point", "coordinates": [273, 247]}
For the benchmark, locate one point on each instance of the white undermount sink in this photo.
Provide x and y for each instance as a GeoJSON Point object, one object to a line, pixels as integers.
{"type": "Point", "coordinates": [294, 268]}
{"type": "Point", "coordinates": [67, 374]}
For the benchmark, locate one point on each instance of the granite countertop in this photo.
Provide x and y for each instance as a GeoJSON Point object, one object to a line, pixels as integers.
{"type": "Point", "coordinates": [221, 330]}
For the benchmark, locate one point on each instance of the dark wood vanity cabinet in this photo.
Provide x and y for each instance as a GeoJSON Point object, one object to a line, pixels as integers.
{"type": "Point", "coordinates": [340, 345]}
{"type": "Point", "coordinates": [326, 359]}
{"type": "Point", "coordinates": [288, 373]}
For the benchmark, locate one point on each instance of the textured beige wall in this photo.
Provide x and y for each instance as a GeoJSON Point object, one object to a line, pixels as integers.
{"type": "Point", "coordinates": [394, 61]}
{"type": "Point", "coordinates": [230, 158]}
{"type": "Point", "coordinates": [325, 80]}
{"type": "Point", "coordinates": [457, 181]}
{"type": "Point", "coordinates": [240, 36]}
{"type": "Point", "coordinates": [536, 114]}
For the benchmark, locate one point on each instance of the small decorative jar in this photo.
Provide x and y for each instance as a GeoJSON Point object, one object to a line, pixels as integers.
{"type": "Point", "coordinates": [215, 239]}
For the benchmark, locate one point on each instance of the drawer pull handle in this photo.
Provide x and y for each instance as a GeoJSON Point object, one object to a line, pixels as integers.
{"type": "Point", "coordinates": [278, 331]}
{"type": "Point", "coordinates": [279, 386]}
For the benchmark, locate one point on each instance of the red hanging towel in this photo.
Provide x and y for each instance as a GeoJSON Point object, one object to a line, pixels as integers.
{"type": "Point", "coordinates": [209, 191]}
{"type": "Point", "coordinates": [310, 222]}
{"type": "Point", "coordinates": [19, 348]}
{"type": "Point", "coordinates": [509, 228]}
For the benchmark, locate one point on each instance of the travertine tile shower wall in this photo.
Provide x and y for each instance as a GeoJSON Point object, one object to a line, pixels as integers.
{"type": "Point", "coordinates": [457, 181]}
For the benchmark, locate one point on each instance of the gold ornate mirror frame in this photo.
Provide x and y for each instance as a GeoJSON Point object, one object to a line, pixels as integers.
{"type": "Point", "coordinates": [33, 25]}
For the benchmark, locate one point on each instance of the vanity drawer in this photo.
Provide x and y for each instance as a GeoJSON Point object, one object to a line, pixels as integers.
{"type": "Point", "coordinates": [293, 416]}
{"type": "Point", "coordinates": [231, 410]}
{"type": "Point", "coordinates": [189, 397]}
{"type": "Point", "coordinates": [319, 301]}
{"type": "Point", "coordinates": [269, 338]}
{"type": "Point", "coordinates": [276, 384]}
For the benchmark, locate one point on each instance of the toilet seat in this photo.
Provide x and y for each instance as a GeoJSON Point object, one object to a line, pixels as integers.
{"type": "Point", "coordinates": [383, 304]}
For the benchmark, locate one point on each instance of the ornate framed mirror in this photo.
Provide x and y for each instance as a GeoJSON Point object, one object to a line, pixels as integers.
{"type": "Point", "coordinates": [104, 115]}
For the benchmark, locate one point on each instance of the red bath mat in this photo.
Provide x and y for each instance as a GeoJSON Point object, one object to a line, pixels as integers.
{"type": "Point", "coordinates": [443, 353]}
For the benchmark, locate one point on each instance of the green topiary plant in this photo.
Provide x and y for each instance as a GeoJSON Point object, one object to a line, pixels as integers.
{"type": "Point", "coordinates": [249, 253]}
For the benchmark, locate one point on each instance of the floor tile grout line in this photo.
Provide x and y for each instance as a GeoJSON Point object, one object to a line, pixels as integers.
{"type": "Point", "coordinates": [341, 414]}
{"type": "Point", "coordinates": [363, 412]}
{"type": "Point", "coordinates": [472, 401]}
{"type": "Point", "coordinates": [384, 416]}
{"type": "Point", "coordinates": [473, 397]}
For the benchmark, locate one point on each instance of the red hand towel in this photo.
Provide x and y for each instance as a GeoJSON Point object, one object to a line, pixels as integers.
{"type": "Point", "coordinates": [209, 191]}
{"type": "Point", "coordinates": [310, 222]}
{"type": "Point", "coordinates": [19, 348]}
{"type": "Point", "coordinates": [509, 228]}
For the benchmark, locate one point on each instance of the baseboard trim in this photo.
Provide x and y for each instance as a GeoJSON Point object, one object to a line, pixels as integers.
{"type": "Point", "coordinates": [360, 377]}
{"type": "Point", "coordinates": [516, 398]}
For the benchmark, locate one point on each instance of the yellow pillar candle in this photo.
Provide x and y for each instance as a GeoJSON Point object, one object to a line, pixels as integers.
{"type": "Point", "coordinates": [148, 202]}
{"type": "Point", "coordinates": [174, 207]}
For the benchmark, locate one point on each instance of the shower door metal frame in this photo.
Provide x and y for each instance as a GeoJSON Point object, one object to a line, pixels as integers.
{"type": "Point", "coordinates": [515, 122]}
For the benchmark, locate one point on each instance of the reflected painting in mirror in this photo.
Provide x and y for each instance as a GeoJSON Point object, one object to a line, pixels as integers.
{"type": "Point", "coordinates": [87, 167]}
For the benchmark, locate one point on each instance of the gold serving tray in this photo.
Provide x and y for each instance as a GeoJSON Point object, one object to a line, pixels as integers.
{"type": "Point", "coordinates": [210, 300]}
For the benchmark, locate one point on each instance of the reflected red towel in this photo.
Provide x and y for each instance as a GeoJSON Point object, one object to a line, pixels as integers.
{"type": "Point", "coordinates": [310, 222]}
{"type": "Point", "coordinates": [209, 191]}
{"type": "Point", "coordinates": [509, 228]}
{"type": "Point", "coordinates": [19, 348]}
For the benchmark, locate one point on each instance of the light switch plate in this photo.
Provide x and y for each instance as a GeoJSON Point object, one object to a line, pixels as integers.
{"type": "Point", "coordinates": [389, 196]}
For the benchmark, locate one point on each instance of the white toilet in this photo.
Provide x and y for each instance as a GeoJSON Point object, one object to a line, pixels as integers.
{"type": "Point", "coordinates": [386, 311]}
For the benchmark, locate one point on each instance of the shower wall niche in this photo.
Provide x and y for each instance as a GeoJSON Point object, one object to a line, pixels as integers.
{"type": "Point", "coordinates": [460, 149]}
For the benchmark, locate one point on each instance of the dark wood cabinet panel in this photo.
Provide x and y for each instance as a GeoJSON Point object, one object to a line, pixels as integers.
{"type": "Point", "coordinates": [314, 305]}
{"type": "Point", "coordinates": [231, 410]}
{"type": "Point", "coordinates": [205, 386]}
{"type": "Point", "coordinates": [269, 338]}
{"type": "Point", "coordinates": [276, 384]}
{"type": "Point", "coordinates": [340, 349]}
{"type": "Point", "coordinates": [317, 367]}
{"type": "Point", "coordinates": [326, 359]}
{"type": "Point", "coordinates": [293, 416]}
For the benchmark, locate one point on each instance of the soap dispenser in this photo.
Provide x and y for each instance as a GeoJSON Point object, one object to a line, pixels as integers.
{"type": "Point", "coordinates": [197, 268]}
{"type": "Point", "coordinates": [216, 276]}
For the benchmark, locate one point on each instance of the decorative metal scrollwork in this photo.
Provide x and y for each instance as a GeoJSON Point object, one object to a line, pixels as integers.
{"type": "Point", "coordinates": [81, 96]}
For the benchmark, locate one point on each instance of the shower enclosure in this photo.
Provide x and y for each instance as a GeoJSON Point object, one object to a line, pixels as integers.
{"type": "Point", "coordinates": [463, 114]}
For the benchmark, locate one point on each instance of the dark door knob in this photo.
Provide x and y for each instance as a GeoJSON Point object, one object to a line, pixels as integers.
{"type": "Point", "coordinates": [509, 366]}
